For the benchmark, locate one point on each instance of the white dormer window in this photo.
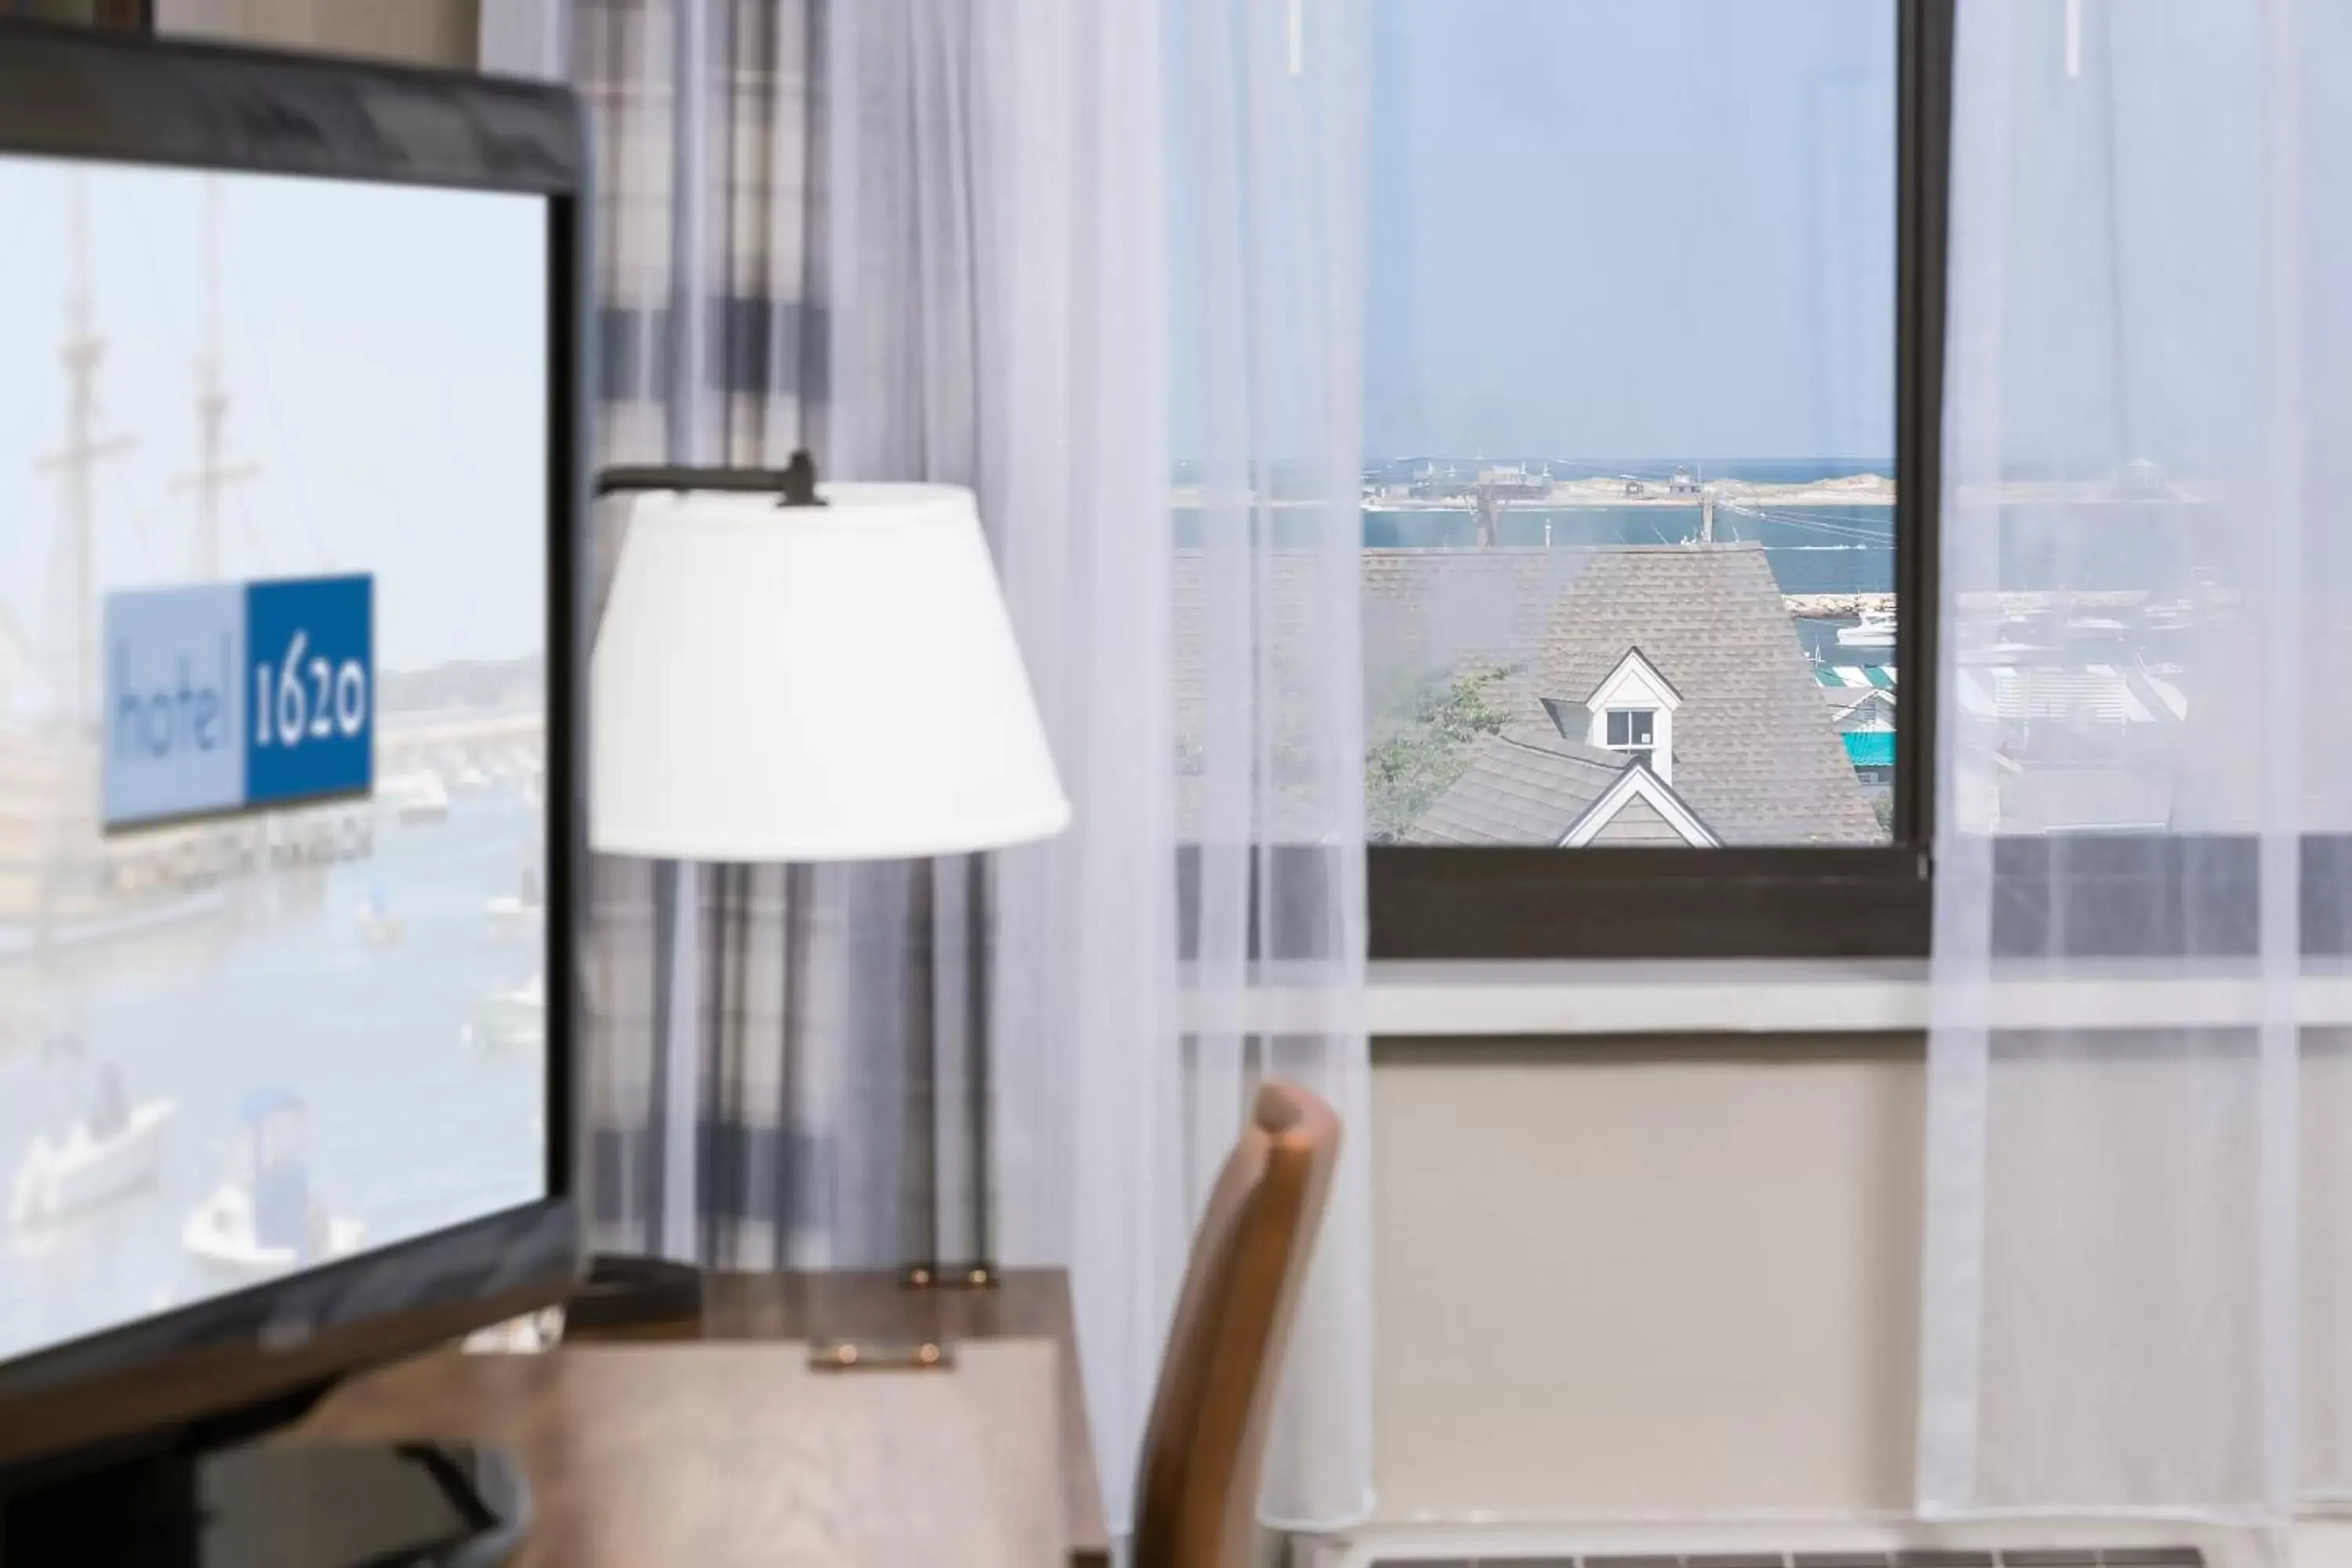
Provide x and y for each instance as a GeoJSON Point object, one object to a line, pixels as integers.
{"type": "Point", "coordinates": [1632, 710]}
{"type": "Point", "coordinates": [1634, 730]}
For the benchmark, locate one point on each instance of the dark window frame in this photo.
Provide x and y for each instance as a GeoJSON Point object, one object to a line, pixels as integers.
{"type": "Point", "coordinates": [1617, 901]}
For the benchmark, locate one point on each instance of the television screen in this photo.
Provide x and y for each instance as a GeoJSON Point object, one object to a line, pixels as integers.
{"type": "Point", "coordinates": [274, 473]}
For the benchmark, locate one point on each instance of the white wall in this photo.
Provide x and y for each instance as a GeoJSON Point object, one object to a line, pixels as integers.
{"type": "Point", "coordinates": [1625, 1277]}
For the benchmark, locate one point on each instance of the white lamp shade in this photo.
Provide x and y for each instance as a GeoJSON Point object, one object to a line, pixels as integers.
{"type": "Point", "coordinates": [811, 683]}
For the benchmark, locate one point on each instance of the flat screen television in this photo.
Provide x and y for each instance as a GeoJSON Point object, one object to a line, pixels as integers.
{"type": "Point", "coordinates": [289, 657]}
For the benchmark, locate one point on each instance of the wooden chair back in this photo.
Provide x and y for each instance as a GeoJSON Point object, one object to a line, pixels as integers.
{"type": "Point", "coordinates": [1204, 1446]}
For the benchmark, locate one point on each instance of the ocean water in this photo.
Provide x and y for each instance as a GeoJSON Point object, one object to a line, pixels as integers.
{"type": "Point", "coordinates": [1843, 549]}
{"type": "Point", "coordinates": [2164, 545]}
{"type": "Point", "coordinates": [1846, 549]}
{"type": "Point", "coordinates": [1290, 479]}
{"type": "Point", "coordinates": [1812, 550]}
{"type": "Point", "coordinates": [1757, 470]}
{"type": "Point", "coordinates": [410, 1129]}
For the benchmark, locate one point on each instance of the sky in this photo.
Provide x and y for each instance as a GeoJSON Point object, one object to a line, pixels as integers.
{"type": "Point", "coordinates": [1653, 230]}
{"type": "Point", "coordinates": [385, 358]}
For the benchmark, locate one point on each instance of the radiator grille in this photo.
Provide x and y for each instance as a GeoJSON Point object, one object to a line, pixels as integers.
{"type": "Point", "coordinates": [2021, 1557]}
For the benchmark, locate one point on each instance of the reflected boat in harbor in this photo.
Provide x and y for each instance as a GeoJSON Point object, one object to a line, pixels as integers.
{"type": "Point", "coordinates": [379, 924]}
{"type": "Point", "coordinates": [264, 1218]}
{"type": "Point", "coordinates": [415, 798]}
{"type": "Point", "coordinates": [506, 1020]}
{"type": "Point", "coordinates": [519, 914]}
{"type": "Point", "coordinates": [84, 1168]}
{"type": "Point", "coordinates": [110, 1148]}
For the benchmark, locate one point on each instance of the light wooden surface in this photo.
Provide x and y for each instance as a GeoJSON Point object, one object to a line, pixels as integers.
{"type": "Point", "coordinates": [721, 1453]}
{"type": "Point", "coordinates": [1026, 1303]}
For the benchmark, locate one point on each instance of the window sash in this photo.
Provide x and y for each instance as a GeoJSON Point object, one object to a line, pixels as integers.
{"type": "Point", "coordinates": [1633, 729]}
{"type": "Point", "coordinates": [1792, 901]}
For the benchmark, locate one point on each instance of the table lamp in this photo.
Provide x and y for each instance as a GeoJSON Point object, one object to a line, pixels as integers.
{"type": "Point", "coordinates": [791, 673]}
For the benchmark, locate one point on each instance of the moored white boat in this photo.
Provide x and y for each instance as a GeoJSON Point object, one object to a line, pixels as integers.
{"type": "Point", "coordinates": [264, 1218]}
{"type": "Point", "coordinates": [417, 797]}
{"type": "Point", "coordinates": [81, 1169]}
{"type": "Point", "coordinates": [382, 928]}
{"type": "Point", "coordinates": [511, 916]}
{"type": "Point", "coordinates": [221, 1234]}
{"type": "Point", "coordinates": [509, 1020]}
{"type": "Point", "coordinates": [380, 924]}
{"type": "Point", "coordinates": [1875, 629]}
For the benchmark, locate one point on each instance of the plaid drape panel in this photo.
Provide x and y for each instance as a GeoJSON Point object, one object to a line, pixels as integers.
{"type": "Point", "coordinates": [829, 1009]}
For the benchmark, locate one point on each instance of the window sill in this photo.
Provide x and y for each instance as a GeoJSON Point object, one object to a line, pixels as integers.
{"type": "Point", "coordinates": [1646, 996]}
{"type": "Point", "coordinates": [1597, 997]}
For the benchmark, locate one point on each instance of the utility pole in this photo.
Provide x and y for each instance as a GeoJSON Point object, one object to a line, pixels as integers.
{"type": "Point", "coordinates": [73, 574]}
{"type": "Point", "coordinates": [212, 475]}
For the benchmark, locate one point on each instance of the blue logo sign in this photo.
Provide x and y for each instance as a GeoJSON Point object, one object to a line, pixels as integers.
{"type": "Point", "coordinates": [229, 696]}
{"type": "Point", "coordinates": [310, 647]}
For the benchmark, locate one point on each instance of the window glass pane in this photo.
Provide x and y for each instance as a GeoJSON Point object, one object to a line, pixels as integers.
{"type": "Point", "coordinates": [1629, 417]}
{"type": "Point", "coordinates": [2134, 563]}
{"type": "Point", "coordinates": [1630, 727]}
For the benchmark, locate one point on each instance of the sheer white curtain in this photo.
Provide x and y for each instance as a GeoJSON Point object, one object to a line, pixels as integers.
{"type": "Point", "coordinates": [1268, 228]}
{"type": "Point", "coordinates": [2136, 1282]}
{"type": "Point", "coordinates": [1108, 249]}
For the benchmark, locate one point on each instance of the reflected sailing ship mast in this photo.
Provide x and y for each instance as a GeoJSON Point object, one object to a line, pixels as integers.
{"type": "Point", "coordinates": [67, 890]}
{"type": "Point", "coordinates": [73, 586]}
{"type": "Point", "coordinates": [48, 834]}
{"type": "Point", "coordinates": [214, 474]}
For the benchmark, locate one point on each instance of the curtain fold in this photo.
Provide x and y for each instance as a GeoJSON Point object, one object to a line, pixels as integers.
{"type": "Point", "coordinates": [1082, 252]}
{"type": "Point", "coordinates": [2135, 1237]}
{"type": "Point", "coordinates": [1265, 164]}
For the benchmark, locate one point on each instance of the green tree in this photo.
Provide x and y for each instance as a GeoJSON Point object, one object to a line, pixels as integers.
{"type": "Point", "coordinates": [1409, 765]}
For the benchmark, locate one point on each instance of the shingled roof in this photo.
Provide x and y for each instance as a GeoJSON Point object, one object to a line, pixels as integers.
{"type": "Point", "coordinates": [1534, 785]}
{"type": "Point", "coordinates": [1426, 613]}
{"type": "Point", "coordinates": [1527, 785]}
{"type": "Point", "coordinates": [1755, 753]}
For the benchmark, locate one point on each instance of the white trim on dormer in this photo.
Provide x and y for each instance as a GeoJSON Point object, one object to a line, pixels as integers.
{"type": "Point", "coordinates": [1636, 686]}
{"type": "Point", "coordinates": [1634, 683]}
{"type": "Point", "coordinates": [1639, 782]}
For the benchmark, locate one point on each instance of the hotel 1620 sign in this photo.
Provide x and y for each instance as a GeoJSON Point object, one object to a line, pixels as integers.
{"type": "Point", "coordinates": [228, 696]}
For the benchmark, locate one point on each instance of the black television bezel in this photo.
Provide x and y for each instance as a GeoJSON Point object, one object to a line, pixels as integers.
{"type": "Point", "coordinates": [73, 93]}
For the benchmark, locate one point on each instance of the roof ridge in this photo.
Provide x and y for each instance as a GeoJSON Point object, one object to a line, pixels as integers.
{"type": "Point", "coordinates": [1557, 740]}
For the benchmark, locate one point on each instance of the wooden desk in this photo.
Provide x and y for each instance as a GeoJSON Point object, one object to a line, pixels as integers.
{"type": "Point", "coordinates": [723, 1447]}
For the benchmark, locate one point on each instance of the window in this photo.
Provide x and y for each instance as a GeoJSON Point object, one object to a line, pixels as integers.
{"type": "Point", "coordinates": [1630, 729]}
{"type": "Point", "coordinates": [1652, 347]}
